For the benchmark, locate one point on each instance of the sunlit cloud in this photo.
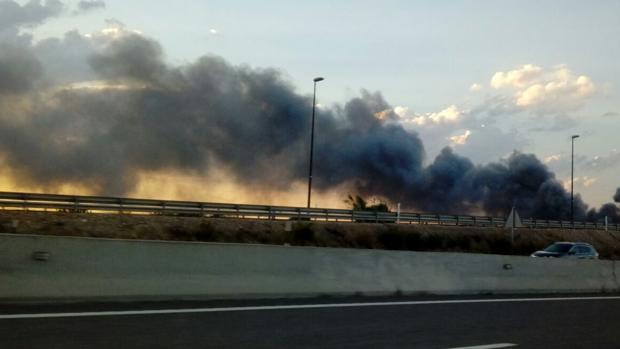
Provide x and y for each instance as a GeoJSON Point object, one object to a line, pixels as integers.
{"type": "Point", "coordinates": [450, 114]}
{"type": "Point", "coordinates": [475, 87]}
{"type": "Point", "coordinates": [519, 77]}
{"type": "Point", "coordinates": [460, 139]}
{"type": "Point", "coordinates": [552, 90]}
{"type": "Point", "coordinates": [552, 158]}
{"type": "Point", "coordinates": [584, 181]}
{"type": "Point", "coordinates": [100, 85]}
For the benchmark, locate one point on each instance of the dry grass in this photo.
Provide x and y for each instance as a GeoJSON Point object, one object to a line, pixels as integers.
{"type": "Point", "coordinates": [326, 234]}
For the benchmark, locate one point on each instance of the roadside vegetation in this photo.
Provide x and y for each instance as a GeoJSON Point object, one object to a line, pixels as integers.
{"type": "Point", "coordinates": [357, 203]}
{"type": "Point", "coordinates": [303, 233]}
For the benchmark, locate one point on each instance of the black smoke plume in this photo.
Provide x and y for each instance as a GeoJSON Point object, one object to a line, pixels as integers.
{"type": "Point", "coordinates": [609, 210]}
{"type": "Point", "coordinates": [138, 113]}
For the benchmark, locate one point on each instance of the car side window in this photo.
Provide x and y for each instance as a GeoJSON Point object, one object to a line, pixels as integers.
{"type": "Point", "coordinates": [574, 250]}
{"type": "Point", "coordinates": [584, 250]}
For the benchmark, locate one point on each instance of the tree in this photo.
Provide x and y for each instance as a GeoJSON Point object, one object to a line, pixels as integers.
{"type": "Point", "coordinates": [357, 203]}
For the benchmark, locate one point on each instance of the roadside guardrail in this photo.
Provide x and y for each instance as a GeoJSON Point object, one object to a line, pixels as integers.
{"type": "Point", "coordinates": [104, 204]}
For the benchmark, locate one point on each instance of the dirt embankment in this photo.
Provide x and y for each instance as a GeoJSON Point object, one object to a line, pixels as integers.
{"type": "Point", "coordinates": [326, 234]}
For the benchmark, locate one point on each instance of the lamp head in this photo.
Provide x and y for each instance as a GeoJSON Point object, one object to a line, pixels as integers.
{"type": "Point", "coordinates": [318, 79]}
{"type": "Point", "coordinates": [575, 136]}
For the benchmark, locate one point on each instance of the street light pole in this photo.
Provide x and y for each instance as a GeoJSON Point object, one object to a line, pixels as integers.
{"type": "Point", "coordinates": [312, 140]}
{"type": "Point", "coordinates": [572, 172]}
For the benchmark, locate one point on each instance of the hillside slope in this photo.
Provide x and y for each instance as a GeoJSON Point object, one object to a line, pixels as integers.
{"type": "Point", "coordinates": [326, 234]}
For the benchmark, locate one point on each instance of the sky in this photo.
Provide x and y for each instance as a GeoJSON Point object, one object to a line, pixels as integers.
{"type": "Point", "coordinates": [483, 77]}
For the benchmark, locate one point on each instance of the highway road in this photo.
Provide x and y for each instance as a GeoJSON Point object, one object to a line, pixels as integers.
{"type": "Point", "coordinates": [566, 321]}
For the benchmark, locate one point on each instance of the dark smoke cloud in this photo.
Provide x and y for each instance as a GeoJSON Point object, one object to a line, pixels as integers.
{"type": "Point", "coordinates": [609, 210]}
{"type": "Point", "coordinates": [89, 5]}
{"type": "Point", "coordinates": [145, 115]}
{"type": "Point", "coordinates": [66, 59]}
{"type": "Point", "coordinates": [133, 58]}
{"type": "Point", "coordinates": [521, 180]}
{"type": "Point", "coordinates": [34, 12]}
{"type": "Point", "coordinates": [19, 69]}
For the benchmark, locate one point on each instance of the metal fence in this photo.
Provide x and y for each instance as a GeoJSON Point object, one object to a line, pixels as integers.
{"type": "Point", "coordinates": [102, 204]}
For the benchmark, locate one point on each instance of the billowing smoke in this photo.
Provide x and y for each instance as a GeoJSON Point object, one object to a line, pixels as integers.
{"type": "Point", "coordinates": [609, 210]}
{"type": "Point", "coordinates": [19, 69]}
{"type": "Point", "coordinates": [97, 110]}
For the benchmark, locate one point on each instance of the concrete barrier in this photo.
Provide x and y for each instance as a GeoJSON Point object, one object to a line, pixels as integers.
{"type": "Point", "coordinates": [44, 267]}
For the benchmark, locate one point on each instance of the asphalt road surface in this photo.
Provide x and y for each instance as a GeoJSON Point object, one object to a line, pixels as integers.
{"type": "Point", "coordinates": [402, 322]}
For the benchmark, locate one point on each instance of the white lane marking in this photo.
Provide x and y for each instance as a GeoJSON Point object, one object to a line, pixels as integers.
{"type": "Point", "coordinates": [489, 346]}
{"type": "Point", "coordinates": [295, 306]}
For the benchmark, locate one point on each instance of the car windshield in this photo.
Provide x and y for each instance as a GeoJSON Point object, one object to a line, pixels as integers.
{"type": "Point", "coordinates": [558, 248]}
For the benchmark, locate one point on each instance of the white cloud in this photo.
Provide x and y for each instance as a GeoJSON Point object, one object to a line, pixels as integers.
{"type": "Point", "coordinates": [99, 85]}
{"type": "Point", "coordinates": [213, 31]}
{"type": "Point", "coordinates": [460, 139]}
{"type": "Point", "coordinates": [552, 158]}
{"type": "Point", "coordinates": [401, 111]}
{"type": "Point", "coordinates": [552, 90]}
{"type": "Point", "coordinates": [475, 87]}
{"type": "Point", "coordinates": [584, 181]}
{"type": "Point", "coordinates": [450, 114]}
{"type": "Point", "coordinates": [519, 77]}
{"type": "Point", "coordinates": [588, 181]}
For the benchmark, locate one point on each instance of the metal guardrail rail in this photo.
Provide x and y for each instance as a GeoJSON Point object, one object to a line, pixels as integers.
{"type": "Point", "coordinates": [103, 204]}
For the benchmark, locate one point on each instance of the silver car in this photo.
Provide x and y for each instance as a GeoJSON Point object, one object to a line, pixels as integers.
{"type": "Point", "coordinates": [577, 250]}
